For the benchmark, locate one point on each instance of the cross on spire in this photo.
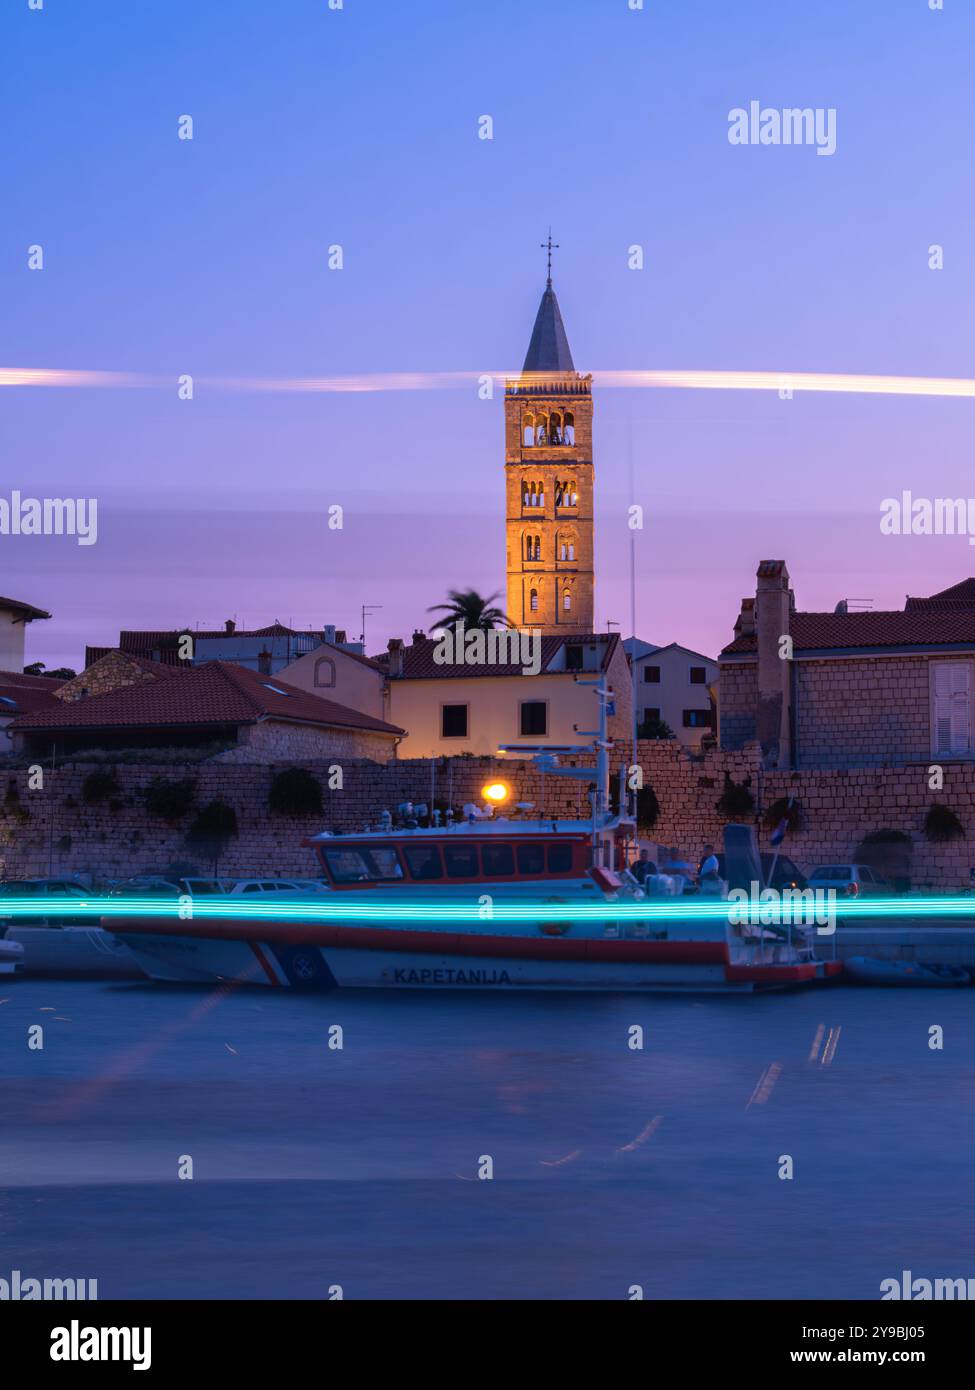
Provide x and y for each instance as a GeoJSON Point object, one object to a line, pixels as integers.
{"type": "Point", "coordinates": [550, 246]}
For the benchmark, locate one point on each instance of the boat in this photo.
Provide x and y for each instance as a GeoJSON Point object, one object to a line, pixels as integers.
{"type": "Point", "coordinates": [488, 902]}
{"type": "Point", "coordinates": [865, 970]}
{"type": "Point", "coordinates": [88, 952]}
{"type": "Point", "coordinates": [11, 957]}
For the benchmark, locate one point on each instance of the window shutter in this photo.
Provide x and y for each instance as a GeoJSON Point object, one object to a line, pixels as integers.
{"type": "Point", "coordinates": [952, 707]}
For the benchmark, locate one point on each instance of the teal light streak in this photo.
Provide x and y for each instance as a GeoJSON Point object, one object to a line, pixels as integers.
{"type": "Point", "coordinates": [345, 908]}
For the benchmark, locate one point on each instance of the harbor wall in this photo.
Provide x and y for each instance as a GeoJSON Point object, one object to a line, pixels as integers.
{"type": "Point", "coordinates": [51, 830]}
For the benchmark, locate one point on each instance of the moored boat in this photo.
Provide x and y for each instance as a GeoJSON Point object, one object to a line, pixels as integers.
{"type": "Point", "coordinates": [11, 957]}
{"type": "Point", "coordinates": [487, 903]}
{"type": "Point", "coordinates": [864, 970]}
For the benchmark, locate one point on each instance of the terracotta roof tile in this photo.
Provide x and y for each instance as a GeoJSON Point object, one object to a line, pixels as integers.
{"type": "Point", "coordinates": [28, 609]}
{"type": "Point", "coordinates": [912, 628]}
{"type": "Point", "coordinates": [957, 596]}
{"type": "Point", "coordinates": [215, 693]}
{"type": "Point", "coordinates": [28, 693]}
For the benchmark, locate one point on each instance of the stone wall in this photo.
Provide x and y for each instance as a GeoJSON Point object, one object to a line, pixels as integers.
{"type": "Point", "coordinates": [863, 712]}
{"type": "Point", "coordinates": [113, 671]}
{"type": "Point", "coordinates": [118, 837]}
{"type": "Point", "coordinates": [277, 740]}
{"type": "Point", "coordinates": [847, 712]}
{"type": "Point", "coordinates": [737, 704]}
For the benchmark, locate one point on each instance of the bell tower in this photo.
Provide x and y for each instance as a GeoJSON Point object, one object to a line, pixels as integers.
{"type": "Point", "coordinates": [549, 482]}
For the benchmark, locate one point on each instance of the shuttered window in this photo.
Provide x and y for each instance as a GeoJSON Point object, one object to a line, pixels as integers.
{"type": "Point", "coordinates": [951, 707]}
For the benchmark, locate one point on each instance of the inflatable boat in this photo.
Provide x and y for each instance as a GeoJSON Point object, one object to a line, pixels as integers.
{"type": "Point", "coordinates": [864, 970]}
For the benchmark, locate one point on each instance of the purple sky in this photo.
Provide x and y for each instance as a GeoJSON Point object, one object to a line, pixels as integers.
{"type": "Point", "coordinates": [360, 127]}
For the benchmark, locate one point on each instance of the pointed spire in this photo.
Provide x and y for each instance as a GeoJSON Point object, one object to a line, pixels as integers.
{"type": "Point", "coordinates": [548, 350]}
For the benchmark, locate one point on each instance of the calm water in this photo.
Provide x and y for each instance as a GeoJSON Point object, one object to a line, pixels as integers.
{"type": "Point", "coordinates": [358, 1167]}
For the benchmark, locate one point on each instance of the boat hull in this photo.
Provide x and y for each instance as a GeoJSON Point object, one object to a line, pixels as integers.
{"type": "Point", "coordinates": [377, 958]}
{"type": "Point", "coordinates": [71, 952]}
{"type": "Point", "coordinates": [11, 957]}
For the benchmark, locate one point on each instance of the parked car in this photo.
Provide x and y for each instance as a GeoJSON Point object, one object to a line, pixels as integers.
{"type": "Point", "coordinates": [151, 885]}
{"type": "Point", "coordinates": [49, 914]}
{"type": "Point", "coordinates": [851, 881]}
{"type": "Point", "coordinates": [785, 874]}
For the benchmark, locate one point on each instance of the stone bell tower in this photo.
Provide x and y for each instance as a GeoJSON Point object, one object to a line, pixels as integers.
{"type": "Point", "coordinates": [549, 483]}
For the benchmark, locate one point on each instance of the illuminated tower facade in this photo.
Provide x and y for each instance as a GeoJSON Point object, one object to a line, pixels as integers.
{"type": "Point", "coordinates": [549, 483]}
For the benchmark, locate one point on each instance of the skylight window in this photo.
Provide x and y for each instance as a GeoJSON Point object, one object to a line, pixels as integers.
{"type": "Point", "coordinates": [276, 688]}
{"type": "Point", "coordinates": [6, 700]}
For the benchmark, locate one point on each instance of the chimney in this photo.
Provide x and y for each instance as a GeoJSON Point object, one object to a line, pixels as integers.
{"type": "Point", "coordinates": [418, 635]}
{"type": "Point", "coordinates": [773, 607]}
{"type": "Point", "coordinates": [341, 637]}
{"type": "Point", "coordinates": [230, 626]}
{"type": "Point", "coordinates": [395, 647]}
{"type": "Point", "coordinates": [745, 622]}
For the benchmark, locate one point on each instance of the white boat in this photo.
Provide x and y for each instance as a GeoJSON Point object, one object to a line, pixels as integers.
{"type": "Point", "coordinates": [11, 957]}
{"type": "Point", "coordinates": [488, 903]}
{"type": "Point", "coordinates": [60, 951]}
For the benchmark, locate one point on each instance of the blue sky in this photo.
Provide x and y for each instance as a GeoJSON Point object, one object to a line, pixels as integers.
{"type": "Point", "coordinates": [359, 127]}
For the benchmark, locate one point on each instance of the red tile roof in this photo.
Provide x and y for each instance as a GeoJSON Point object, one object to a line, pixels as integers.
{"type": "Point", "coordinates": [913, 628]}
{"type": "Point", "coordinates": [164, 646]}
{"type": "Point", "coordinates": [419, 664]}
{"type": "Point", "coordinates": [28, 609]}
{"type": "Point", "coordinates": [958, 596]}
{"type": "Point", "coordinates": [29, 693]}
{"type": "Point", "coordinates": [215, 693]}
{"type": "Point", "coordinates": [167, 657]}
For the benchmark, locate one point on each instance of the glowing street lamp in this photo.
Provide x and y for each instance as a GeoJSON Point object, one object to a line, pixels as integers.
{"type": "Point", "coordinates": [496, 793]}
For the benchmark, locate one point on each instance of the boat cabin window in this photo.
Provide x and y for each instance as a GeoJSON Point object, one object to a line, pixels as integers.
{"type": "Point", "coordinates": [531, 859]}
{"type": "Point", "coordinates": [559, 859]}
{"type": "Point", "coordinates": [461, 861]}
{"type": "Point", "coordinates": [362, 863]}
{"type": "Point", "coordinates": [498, 860]}
{"type": "Point", "coordinates": [424, 861]}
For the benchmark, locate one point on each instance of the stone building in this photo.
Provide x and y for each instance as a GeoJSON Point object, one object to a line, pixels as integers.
{"type": "Point", "coordinates": [850, 689]}
{"type": "Point", "coordinates": [236, 714]}
{"type": "Point", "coordinates": [549, 484]}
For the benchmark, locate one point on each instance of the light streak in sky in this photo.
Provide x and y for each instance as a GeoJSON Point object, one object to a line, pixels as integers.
{"type": "Point", "coordinates": [686, 380]}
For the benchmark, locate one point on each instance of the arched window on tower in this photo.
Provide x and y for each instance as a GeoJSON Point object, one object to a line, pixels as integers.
{"type": "Point", "coordinates": [569, 428]}
{"type": "Point", "coordinates": [541, 430]}
{"type": "Point", "coordinates": [528, 431]}
{"type": "Point", "coordinates": [538, 548]}
{"type": "Point", "coordinates": [555, 426]}
{"type": "Point", "coordinates": [533, 600]}
{"type": "Point", "coordinates": [567, 601]}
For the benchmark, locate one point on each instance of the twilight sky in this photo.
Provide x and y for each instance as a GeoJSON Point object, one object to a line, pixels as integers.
{"type": "Point", "coordinates": [359, 127]}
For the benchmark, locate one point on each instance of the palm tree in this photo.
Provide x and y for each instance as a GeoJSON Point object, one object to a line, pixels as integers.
{"type": "Point", "coordinates": [468, 608]}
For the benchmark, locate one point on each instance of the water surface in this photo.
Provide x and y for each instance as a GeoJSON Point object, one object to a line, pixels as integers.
{"type": "Point", "coordinates": [359, 1167]}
